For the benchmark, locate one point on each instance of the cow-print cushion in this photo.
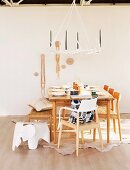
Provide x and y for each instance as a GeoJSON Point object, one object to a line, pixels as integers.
{"type": "Point", "coordinates": [83, 116]}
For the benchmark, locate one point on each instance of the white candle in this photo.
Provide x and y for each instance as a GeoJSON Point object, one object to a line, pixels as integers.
{"type": "Point", "coordinates": [77, 40]}
{"type": "Point", "coordinates": [66, 40]}
{"type": "Point", "coordinates": [50, 38]}
{"type": "Point", "coordinates": [100, 38]}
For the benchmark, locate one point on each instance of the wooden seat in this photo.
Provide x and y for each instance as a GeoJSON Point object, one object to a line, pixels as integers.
{"type": "Point", "coordinates": [42, 115]}
{"type": "Point", "coordinates": [106, 87]}
{"type": "Point", "coordinates": [114, 113]}
{"type": "Point", "coordinates": [85, 106]}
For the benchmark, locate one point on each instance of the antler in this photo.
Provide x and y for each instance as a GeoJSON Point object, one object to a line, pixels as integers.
{"type": "Point", "coordinates": [11, 3]}
{"type": "Point", "coordinates": [7, 2]}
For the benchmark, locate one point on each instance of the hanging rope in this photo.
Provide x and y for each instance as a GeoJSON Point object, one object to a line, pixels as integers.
{"type": "Point", "coordinates": [80, 47]}
{"type": "Point", "coordinates": [63, 23]}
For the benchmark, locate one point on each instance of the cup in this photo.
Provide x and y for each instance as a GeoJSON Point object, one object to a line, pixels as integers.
{"type": "Point", "coordinates": [86, 87]}
{"type": "Point", "coordinates": [94, 93]}
{"type": "Point", "coordinates": [75, 86]}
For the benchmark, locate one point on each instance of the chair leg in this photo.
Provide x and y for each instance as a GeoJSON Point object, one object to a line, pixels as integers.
{"type": "Point", "coordinates": [77, 143]}
{"type": "Point", "coordinates": [114, 125]}
{"type": "Point", "coordinates": [59, 137]}
{"type": "Point", "coordinates": [100, 137]}
{"type": "Point", "coordinates": [119, 126]}
{"type": "Point", "coordinates": [94, 134]}
{"type": "Point", "coordinates": [82, 137]}
{"type": "Point", "coordinates": [51, 129]}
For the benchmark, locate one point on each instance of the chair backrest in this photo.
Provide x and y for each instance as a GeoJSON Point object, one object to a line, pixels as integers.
{"type": "Point", "coordinates": [88, 105]}
{"type": "Point", "coordinates": [117, 95]}
{"type": "Point", "coordinates": [111, 91]}
{"type": "Point", "coordinates": [106, 87]}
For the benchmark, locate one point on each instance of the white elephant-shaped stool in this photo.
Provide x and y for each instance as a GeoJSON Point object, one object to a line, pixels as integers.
{"type": "Point", "coordinates": [31, 132]}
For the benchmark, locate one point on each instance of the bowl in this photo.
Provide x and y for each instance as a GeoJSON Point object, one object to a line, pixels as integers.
{"type": "Point", "coordinates": [74, 92]}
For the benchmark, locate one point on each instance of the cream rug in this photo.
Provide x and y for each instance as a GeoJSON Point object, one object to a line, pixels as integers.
{"type": "Point", "coordinates": [68, 147]}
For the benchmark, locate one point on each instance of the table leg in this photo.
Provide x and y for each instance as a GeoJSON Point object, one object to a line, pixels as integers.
{"type": "Point", "coordinates": [108, 121]}
{"type": "Point", "coordinates": [54, 121]}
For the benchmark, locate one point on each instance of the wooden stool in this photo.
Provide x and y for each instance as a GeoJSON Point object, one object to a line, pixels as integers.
{"type": "Point", "coordinates": [42, 115]}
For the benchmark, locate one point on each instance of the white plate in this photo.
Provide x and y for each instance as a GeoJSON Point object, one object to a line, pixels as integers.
{"type": "Point", "coordinates": [57, 90]}
{"type": "Point", "coordinates": [56, 87]}
{"type": "Point", "coordinates": [58, 93]}
{"type": "Point", "coordinates": [80, 96]}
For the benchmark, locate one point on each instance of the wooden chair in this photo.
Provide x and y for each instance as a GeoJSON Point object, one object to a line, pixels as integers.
{"type": "Point", "coordinates": [106, 87]}
{"type": "Point", "coordinates": [85, 106]}
{"type": "Point", "coordinates": [114, 113]}
{"type": "Point", "coordinates": [41, 115]}
{"type": "Point", "coordinates": [111, 91]}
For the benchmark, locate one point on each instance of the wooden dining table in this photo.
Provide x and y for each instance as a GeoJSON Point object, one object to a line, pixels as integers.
{"type": "Point", "coordinates": [104, 99]}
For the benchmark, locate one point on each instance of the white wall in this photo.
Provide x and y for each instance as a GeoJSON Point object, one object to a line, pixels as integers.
{"type": "Point", "coordinates": [24, 35]}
